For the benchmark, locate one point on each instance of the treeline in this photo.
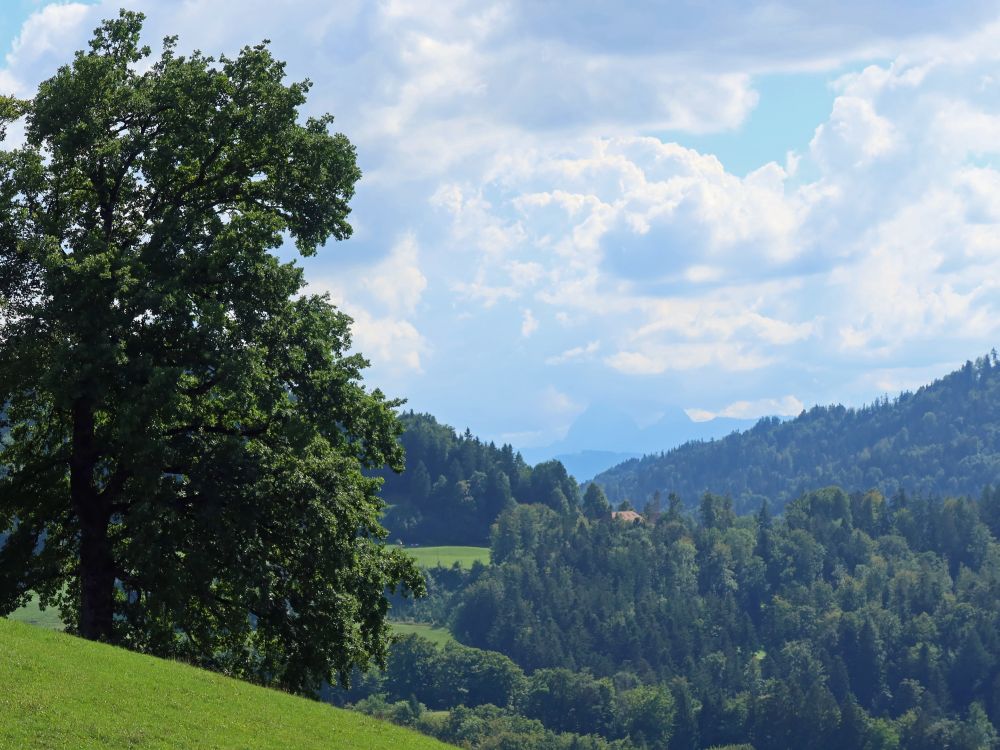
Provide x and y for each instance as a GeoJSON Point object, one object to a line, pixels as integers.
{"type": "Point", "coordinates": [455, 486]}
{"type": "Point", "coordinates": [850, 621]}
{"type": "Point", "coordinates": [491, 702]}
{"type": "Point", "coordinates": [942, 440]}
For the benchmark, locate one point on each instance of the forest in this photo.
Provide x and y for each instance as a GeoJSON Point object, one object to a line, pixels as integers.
{"type": "Point", "coordinates": [851, 620]}
{"type": "Point", "coordinates": [455, 486]}
{"type": "Point", "coordinates": [824, 616]}
{"type": "Point", "coordinates": [943, 439]}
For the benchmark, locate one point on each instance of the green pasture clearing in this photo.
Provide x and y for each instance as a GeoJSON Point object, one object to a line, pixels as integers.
{"type": "Point", "coordinates": [439, 636]}
{"type": "Point", "coordinates": [429, 557]}
{"type": "Point", "coordinates": [33, 615]}
{"type": "Point", "coordinates": [73, 694]}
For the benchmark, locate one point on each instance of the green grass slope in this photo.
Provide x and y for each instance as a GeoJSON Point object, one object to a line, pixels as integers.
{"type": "Point", "coordinates": [428, 557]}
{"type": "Point", "coordinates": [32, 614]}
{"type": "Point", "coordinates": [437, 636]}
{"type": "Point", "coordinates": [57, 691]}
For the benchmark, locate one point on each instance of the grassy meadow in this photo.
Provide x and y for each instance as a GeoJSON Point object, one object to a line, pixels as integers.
{"type": "Point", "coordinates": [438, 636]}
{"type": "Point", "coordinates": [32, 614]}
{"type": "Point", "coordinates": [429, 557]}
{"type": "Point", "coordinates": [73, 694]}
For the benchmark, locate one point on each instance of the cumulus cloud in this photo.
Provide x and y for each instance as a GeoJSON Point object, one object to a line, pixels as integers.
{"type": "Point", "coordinates": [785, 406]}
{"type": "Point", "coordinates": [45, 38]}
{"type": "Point", "coordinates": [388, 342]}
{"type": "Point", "coordinates": [534, 168]}
{"type": "Point", "coordinates": [382, 299]}
{"type": "Point", "coordinates": [575, 354]}
{"type": "Point", "coordinates": [397, 282]}
{"type": "Point", "coordinates": [891, 240]}
{"type": "Point", "coordinates": [855, 135]}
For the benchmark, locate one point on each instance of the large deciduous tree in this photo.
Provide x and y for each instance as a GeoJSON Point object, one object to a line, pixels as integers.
{"type": "Point", "coordinates": [185, 434]}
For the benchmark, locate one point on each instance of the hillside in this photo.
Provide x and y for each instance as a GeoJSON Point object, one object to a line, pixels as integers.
{"type": "Point", "coordinates": [76, 694]}
{"type": "Point", "coordinates": [944, 439]}
{"type": "Point", "coordinates": [603, 436]}
{"type": "Point", "coordinates": [455, 486]}
{"type": "Point", "coordinates": [850, 621]}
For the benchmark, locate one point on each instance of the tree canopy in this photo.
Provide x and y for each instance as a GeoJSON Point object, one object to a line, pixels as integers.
{"type": "Point", "coordinates": [851, 620]}
{"type": "Point", "coordinates": [188, 445]}
{"type": "Point", "coordinates": [456, 486]}
{"type": "Point", "coordinates": [943, 439]}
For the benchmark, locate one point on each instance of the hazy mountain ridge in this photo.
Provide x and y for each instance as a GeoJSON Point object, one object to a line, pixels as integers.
{"type": "Point", "coordinates": [943, 439]}
{"type": "Point", "coordinates": [604, 436]}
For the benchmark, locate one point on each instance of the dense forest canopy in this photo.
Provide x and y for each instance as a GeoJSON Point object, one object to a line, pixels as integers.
{"type": "Point", "coordinates": [455, 486]}
{"type": "Point", "coordinates": [851, 621]}
{"type": "Point", "coordinates": [944, 439]}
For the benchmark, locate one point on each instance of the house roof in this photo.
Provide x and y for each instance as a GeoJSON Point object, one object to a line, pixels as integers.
{"type": "Point", "coordinates": [627, 515]}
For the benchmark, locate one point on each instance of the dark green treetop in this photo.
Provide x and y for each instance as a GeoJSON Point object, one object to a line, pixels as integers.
{"type": "Point", "coordinates": [185, 433]}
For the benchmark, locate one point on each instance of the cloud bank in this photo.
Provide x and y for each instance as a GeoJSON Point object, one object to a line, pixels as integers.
{"type": "Point", "coordinates": [531, 199]}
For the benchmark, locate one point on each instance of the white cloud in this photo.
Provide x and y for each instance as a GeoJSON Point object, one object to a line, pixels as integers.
{"type": "Point", "coordinates": [854, 136]}
{"type": "Point", "coordinates": [474, 224]}
{"type": "Point", "coordinates": [393, 344]}
{"type": "Point", "coordinates": [726, 315]}
{"type": "Point", "coordinates": [785, 406]}
{"type": "Point", "coordinates": [46, 41]}
{"type": "Point", "coordinates": [397, 282]}
{"type": "Point", "coordinates": [557, 403]}
{"type": "Point", "coordinates": [515, 144]}
{"type": "Point", "coordinates": [701, 274]}
{"type": "Point", "coordinates": [382, 299]}
{"type": "Point", "coordinates": [575, 354]}
{"type": "Point", "coordinates": [529, 324]}
{"type": "Point", "coordinates": [959, 125]}
{"type": "Point", "coordinates": [656, 359]}
{"type": "Point", "coordinates": [892, 239]}
{"type": "Point", "coordinates": [388, 342]}
{"type": "Point", "coordinates": [485, 294]}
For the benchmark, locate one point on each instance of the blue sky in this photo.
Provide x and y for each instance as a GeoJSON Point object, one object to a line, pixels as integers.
{"type": "Point", "coordinates": [731, 209]}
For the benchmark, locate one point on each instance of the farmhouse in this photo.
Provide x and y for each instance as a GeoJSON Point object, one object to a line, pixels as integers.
{"type": "Point", "coordinates": [629, 516]}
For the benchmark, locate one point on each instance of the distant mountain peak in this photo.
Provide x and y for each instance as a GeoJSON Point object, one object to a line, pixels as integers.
{"type": "Point", "coordinates": [943, 439]}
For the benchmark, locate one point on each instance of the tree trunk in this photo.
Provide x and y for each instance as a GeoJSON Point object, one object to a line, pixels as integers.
{"type": "Point", "coordinates": [97, 572]}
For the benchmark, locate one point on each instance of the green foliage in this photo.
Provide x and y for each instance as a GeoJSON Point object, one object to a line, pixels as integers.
{"type": "Point", "coordinates": [850, 621]}
{"type": "Point", "coordinates": [443, 585]}
{"type": "Point", "coordinates": [549, 706]}
{"type": "Point", "coordinates": [187, 442]}
{"type": "Point", "coordinates": [456, 486]}
{"type": "Point", "coordinates": [404, 713]}
{"type": "Point", "coordinates": [595, 503]}
{"type": "Point", "coordinates": [492, 728]}
{"type": "Point", "coordinates": [570, 702]}
{"type": "Point", "coordinates": [63, 692]}
{"type": "Point", "coordinates": [648, 715]}
{"type": "Point", "coordinates": [444, 677]}
{"type": "Point", "coordinates": [944, 439]}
